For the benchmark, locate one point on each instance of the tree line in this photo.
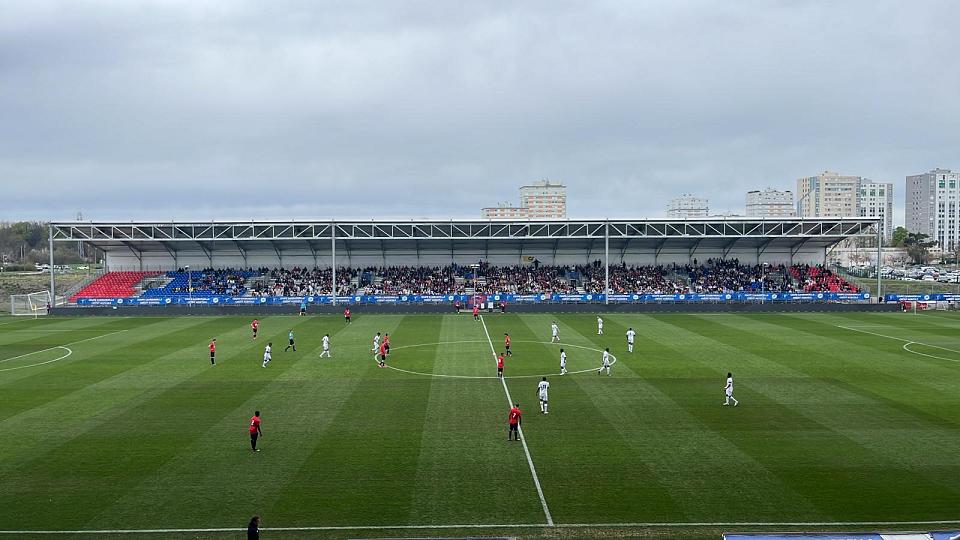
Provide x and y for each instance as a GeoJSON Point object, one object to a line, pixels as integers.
{"type": "Point", "coordinates": [26, 243]}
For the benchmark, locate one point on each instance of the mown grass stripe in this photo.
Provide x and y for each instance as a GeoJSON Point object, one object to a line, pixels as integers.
{"type": "Point", "coordinates": [825, 443]}
{"type": "Point", "coordinates": [377, 431]}
{"type": "Point", "coordinates": [699, 458]}
{"type": "Point", "coordinates": [89, 364]}
{"type": "Point", "coordinates": [98, 466]}
{"type": "Point", "coordinates": [225, 444]}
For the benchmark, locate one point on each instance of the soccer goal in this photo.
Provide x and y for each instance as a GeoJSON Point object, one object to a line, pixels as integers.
{"type": "Point", "coordinates": [32, 304]}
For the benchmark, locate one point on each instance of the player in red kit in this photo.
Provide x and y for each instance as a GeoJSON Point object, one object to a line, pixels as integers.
{"type": "Point", "coordinates": [386, 344]}
{"type": "Point", "coordinates": [514, 419]}
{"type": "Point", "coordinates": [383, 354]}
{"type": "Point", "coordinates": [506, 344]}
{"type": "Point", "coordinates": [255, 326]}
{"type": "Point", "coordinates": [213, 351]}
{"type": "Point", "coordinates": [255, 432]}
{"type": "Point", "coordinates": [476, 313]}
{"type": "Point", "coordinates": [500, 366]}
{"type": "Point", "coordinates": [346, 315]}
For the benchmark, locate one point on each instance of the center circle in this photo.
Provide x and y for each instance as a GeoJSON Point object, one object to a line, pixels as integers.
{"type": "Point", "coordinates": [446, 376]}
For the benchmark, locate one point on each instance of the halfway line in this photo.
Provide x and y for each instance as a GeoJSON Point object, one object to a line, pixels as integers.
{"type": "Point", "coordinates": [523, 438]}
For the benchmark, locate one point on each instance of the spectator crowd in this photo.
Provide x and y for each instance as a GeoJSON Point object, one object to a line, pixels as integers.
{"type": "Point", "coordinates": [713, 276]}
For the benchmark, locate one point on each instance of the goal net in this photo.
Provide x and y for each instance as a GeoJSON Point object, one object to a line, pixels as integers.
{"type": "Point", "coordinates": [32, 304]}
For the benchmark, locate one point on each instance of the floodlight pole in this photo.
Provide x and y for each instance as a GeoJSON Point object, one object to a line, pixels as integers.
{"type": "Point", "coordinates": [333, 258]}
{"type": "Point", "coordinates": [53, 284]}
{"type": "Point", "coordinates": [606, 263]}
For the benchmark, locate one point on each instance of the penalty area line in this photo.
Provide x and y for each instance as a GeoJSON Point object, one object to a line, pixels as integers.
{"type": "Point", "coordinates": [523, 438]}
{"type": "Point", "coordinates": [638, 525]}
{"type": "Point", "coordinates": [907, 343]}
{"type": "Point", "coordinates": [61, 346]}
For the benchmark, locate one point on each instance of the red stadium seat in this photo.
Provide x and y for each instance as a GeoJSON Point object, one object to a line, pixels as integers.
{"type": "Point", "coordinates": [113, 285]}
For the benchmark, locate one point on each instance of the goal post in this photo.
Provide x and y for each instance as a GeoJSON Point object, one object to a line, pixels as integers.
{"type": "Point", "coordinates": [30, 305]}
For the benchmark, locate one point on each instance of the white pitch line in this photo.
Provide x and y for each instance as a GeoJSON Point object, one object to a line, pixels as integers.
{"type": "Point", "coordinates": [906, 347]}
{"type": "Point", "coordinates": [57, 359]}
{"type": "Point", "coordinates": [53, 330]}
{"type": "Point", "coordinates": [489, 376]}
{"type": "Point", "coordinates": [501, 526]}
{"type": "Point", "coordinates": [907, 342]}
{"type": "Point", "coordinates": [60, 346]}
{"type": "Point", "coordinates": [523, 438]}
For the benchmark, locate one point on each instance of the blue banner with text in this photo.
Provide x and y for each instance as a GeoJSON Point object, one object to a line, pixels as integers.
{"type": "Point", "coordinates": [465, 300]}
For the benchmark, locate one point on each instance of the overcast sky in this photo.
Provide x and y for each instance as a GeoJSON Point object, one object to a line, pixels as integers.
{"type": "Point", "coordinates": [236, 110]}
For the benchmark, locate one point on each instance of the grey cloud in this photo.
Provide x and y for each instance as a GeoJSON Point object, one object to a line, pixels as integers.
{"type": "Point", "coordinates": [205, 110]}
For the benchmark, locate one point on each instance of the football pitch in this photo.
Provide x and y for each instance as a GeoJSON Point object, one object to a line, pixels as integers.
{"type": "Point", "coordinates": [845, 422]}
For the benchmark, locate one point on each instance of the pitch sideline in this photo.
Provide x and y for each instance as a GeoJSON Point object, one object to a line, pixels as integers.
{"type": "Point", "coordinates": [647, 525]}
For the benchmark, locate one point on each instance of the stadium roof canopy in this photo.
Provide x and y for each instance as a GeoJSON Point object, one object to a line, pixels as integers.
{"type": "Point", "coordinates": [319, 239]}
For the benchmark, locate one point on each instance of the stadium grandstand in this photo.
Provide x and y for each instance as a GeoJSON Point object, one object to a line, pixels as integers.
{"type": "Point", "coordinates": [726, 259]}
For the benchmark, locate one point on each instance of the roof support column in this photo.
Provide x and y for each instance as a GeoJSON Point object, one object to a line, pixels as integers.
{"type": "Point", "coordinates": [172, 252]}
{"type": "Point", "coordinates": [276, 250]}
{"type": "Point", "coordinates": [243, 253]}
{"type": "Point", "coordinates": [313, 251]}
{"type": "Point", "coordinates": [692, 250]}
{"type": "Point", "coordinates": [879, 261]}
{"type": "Point", "coordinates": [333, 258]}
{"type": "Point", "coordinates": [606, 263]}
{"type": "Point", "coordinates": [53, 284]}
{"type": "Point", "coordinates": [656, 252]}
{"type": "Point", "coordinates": [136, 253]}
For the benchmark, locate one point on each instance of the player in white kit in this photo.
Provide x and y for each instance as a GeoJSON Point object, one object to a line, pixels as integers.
{"type": "Point", "coordinates": [326, 346]}
{"type": "Point", "coordinates": [728, 390]}
{"type": "Point", "coordinates": [376, 344]}
{"type": "Point", "coordinates": [563, 362]}
{"type": "Point", "coordinates": [542, 388]}
{"type": "Point", "coordinates": [266, 354]}
{"type": "Point", "coordinates": [606, 362]}
{"type": "Point", "coordinates": [554, 333]}
{"type": "Point", "coordinates": [599, 326]}
{"type": "Point", "coordinates": [630, 335]}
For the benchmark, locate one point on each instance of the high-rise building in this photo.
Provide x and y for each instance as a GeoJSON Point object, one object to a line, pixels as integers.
{"type": "Point", "coordinates": [876, 201]}
{"type": "Point", "coordinates": [770, 203]}
{"type": "Point", "coordinates": [540, 200]}
{"type": "Point", "coordinates": [833, 195]}
{"type": "Point", "coordinates": [828, 195]}
{"type": "Point", "coordinates": [687, 206]}
{"type": "Point", "coordinates": [932, 206]}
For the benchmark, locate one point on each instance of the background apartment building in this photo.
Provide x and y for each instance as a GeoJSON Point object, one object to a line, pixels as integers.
{"type": "Point", "coordinates": [540, 200]}
{"type": "Point", "coordinates": [932, 207]}
{"type": "Point", "coordinates": [770, 203]}
{"type": "Point", "coordinates": [688, 206]}
{"type": "Point", "coordinates": [828, 195]}
{"type": "Point", "coordinates": [833, 195]}
{"type": "Point", "coordinates": [876, 201]}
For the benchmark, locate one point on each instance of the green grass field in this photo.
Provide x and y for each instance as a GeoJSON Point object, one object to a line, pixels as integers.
{"type": "Point", "coordinates": [122, 423]}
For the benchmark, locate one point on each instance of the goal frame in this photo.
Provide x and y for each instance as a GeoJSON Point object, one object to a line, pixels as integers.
{"type": "Point", "coordinates": [31, 304]}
